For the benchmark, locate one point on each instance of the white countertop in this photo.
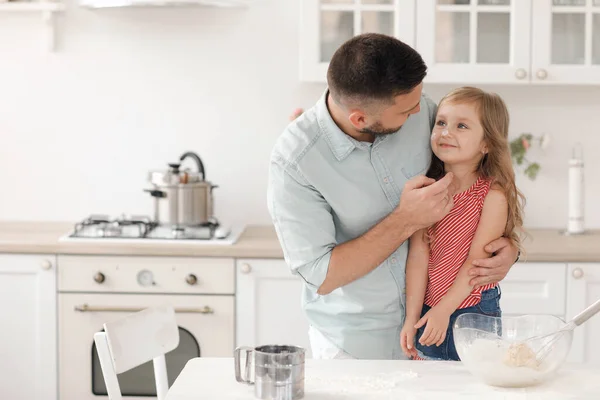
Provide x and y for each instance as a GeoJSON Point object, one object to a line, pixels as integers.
{"type": "Point", "coordinates": [214, 379]}
{"type": "Point", "coordinates": [257, 241]}
{"type": "Point", "coordinates": [45, 238]}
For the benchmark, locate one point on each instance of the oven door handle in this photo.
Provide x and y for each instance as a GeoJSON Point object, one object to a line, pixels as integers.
{"type": "Point", "coordinates": [88, 308]}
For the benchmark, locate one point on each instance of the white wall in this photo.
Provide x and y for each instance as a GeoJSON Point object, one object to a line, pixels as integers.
{"type": "Point", "coordinates": [129, 90]}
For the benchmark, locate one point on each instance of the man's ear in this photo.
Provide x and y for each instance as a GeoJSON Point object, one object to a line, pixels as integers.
{"type": "Point", "coordinates": [358, 119]}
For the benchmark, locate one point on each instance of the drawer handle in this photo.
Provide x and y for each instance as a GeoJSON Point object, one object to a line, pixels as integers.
{"type": "Point", "coordinates": [191, 279]}
{"type": "Point", "coordinates": [88, 308]}
{"type": "Point", "coordinates": [577, 273]}
{"type": "Point", "coordinates": [99, 277]}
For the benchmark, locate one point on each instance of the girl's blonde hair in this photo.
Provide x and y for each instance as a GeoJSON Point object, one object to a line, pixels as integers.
{"type": "Point", "coordinates": [497, 163]}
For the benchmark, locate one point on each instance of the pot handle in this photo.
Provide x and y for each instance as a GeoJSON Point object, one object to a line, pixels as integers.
{"type": "Point", "coordinates": [156, 193]}
{"type": "Point", "coordinates": [198, 161]}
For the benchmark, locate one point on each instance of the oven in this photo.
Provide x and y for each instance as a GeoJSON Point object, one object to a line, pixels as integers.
{"type": "Point", "coordinates": [97, 289]}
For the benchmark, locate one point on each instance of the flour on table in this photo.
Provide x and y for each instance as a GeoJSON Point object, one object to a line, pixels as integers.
{"type": "Point", "coordinates": [383, 382]}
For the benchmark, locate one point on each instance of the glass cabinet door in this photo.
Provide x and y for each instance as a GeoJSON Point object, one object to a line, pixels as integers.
{"type": "Point", "coordinates": [475, 41]}
{"type": "Point", "coordinates": [566, 41]}
{"type": "Point", "coordinates": [326, 24]}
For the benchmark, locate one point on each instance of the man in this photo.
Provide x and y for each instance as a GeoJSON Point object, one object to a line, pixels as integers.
{"type": "Point", "coordinates": [346, 191]}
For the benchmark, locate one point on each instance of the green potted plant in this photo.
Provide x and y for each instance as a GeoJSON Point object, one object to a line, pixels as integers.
{"type": "Point", "coordinates": [519, 147]}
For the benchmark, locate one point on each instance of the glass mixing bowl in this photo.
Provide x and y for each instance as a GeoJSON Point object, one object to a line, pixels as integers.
{"type": "Point", "coordinates": [486, 346]}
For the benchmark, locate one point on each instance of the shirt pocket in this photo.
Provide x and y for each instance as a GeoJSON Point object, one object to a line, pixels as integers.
{"type": "Point", "coordinates": [417, 164]}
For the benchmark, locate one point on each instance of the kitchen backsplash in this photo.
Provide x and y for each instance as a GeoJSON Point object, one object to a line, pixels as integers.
{"type": "Point", "coordinates": [129, 90]}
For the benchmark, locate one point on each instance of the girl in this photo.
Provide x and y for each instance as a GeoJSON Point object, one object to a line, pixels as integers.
{"type": "Point", "coordinates": [469, 139]}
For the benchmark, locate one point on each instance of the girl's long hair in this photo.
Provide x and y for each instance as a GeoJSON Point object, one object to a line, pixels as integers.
{"type": "Point", "coordinates": [497, 163]}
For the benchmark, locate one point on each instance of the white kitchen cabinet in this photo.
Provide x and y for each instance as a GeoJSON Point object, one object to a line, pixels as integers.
{"type": "Point", "coordinates": [326, 24]}
{"type": "Point", "coordinates": [534, 288]}
{"type": "Point", "coordinates": [510, 41]}
{"type": "Point", "coordinates": [583, 288]}
{"type": "Point", "coordinates": [268, 304]}
{"type": "Point", "coordinates": [475, 40]}
{"type": "Point", "coordinates": [566, 41]}
{"type": "Point", "coordinates": [465, 41]}
{"type": "Point", "coordinates": [563, 290]}
{"type": "Point", "coordinates": [28, 369]}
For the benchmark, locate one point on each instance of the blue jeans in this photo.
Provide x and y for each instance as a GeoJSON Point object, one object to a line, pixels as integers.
{"type": "Point", "coordinates": [489, 305]}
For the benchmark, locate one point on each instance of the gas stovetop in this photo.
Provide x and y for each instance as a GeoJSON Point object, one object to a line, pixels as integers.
{"type": "Point", "coordinates": [142, 228]}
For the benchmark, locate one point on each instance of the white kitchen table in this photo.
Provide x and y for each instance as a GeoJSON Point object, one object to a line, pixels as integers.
{"type": "Point", "coordinates": [214, 379]}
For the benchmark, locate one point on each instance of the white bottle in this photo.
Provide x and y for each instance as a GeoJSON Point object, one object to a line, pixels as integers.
{"type": "Point", "coordinates": [576, 194]}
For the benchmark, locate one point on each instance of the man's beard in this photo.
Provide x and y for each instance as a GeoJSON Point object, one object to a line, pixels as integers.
{"type": "Point", "coordinates": [377, 130]}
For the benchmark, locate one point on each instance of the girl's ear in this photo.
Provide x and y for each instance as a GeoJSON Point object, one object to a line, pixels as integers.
{"type": "Point", "coordinates": [484, 148]}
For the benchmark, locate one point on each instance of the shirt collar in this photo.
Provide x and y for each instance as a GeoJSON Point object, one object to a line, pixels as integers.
{"type": "Point", "coordinates": [341, 144]}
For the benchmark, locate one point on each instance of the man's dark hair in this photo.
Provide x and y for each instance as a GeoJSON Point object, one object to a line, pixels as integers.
{"type": "Point", "coordinates": [373, 66]}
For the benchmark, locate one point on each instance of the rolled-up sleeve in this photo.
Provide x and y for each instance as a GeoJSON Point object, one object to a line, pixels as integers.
{"type": "Point", "coordinates": [303, 222]}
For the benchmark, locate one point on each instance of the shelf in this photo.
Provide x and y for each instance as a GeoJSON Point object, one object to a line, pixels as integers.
{"type": "Point", "coordinates": [98, 4]}
{"type": "Point", "coordinates": [354, 7]}
{"type": "Point", "coordinates": [46, 8]}
{"type": "Point", "coordinates": [18, 6]}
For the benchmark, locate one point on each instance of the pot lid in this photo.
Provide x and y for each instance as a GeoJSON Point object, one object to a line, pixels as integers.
{"type": "Point", "coordinates": [176, 175]}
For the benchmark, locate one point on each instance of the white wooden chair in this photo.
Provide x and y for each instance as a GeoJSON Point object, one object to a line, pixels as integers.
{"type": "Point", "coordinates": [134, 340]}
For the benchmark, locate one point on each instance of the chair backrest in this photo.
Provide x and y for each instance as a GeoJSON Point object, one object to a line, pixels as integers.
{"type": "Point", "coordinates": [133, 340]}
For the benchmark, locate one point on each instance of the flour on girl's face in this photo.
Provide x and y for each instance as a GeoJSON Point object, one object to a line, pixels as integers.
{"type": "Point", "coordinates": [435, 134]}
{"type": "Point", "coordinates": [457, 135]}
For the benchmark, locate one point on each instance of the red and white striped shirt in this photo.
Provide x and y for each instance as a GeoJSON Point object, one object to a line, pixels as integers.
{"type": "Point", "coordinates": [451, 241]}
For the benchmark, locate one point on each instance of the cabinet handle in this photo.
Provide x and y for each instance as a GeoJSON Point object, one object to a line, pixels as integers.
{"type": "Point", "coordinates": [99, 277]}
{"type": "Point", "coordinates": [520, 73]}
{"type": "Point", "coordinates": [46, 264]}
{"type": "Point", "coordinates": [88, 308]}
{"type": "Point", "coordinates": [191, 279]}
{"type": "Point", "coordinates": [577, 273]}
{"type": "Point", "coordinates": [246, 268]}
{"type": "Point", "coordinates": [541, 74]}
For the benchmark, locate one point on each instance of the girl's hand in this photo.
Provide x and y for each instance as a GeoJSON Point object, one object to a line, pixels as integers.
{"type": "Point", "coordinates": [297, 112]}
{"type": "Point", "coordinates": [407, 339]}
{"type": "Point", "coordinates": [437, 321]}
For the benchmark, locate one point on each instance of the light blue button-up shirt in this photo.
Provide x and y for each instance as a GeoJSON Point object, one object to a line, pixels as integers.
{"type": "Point", "coordinates": [326, 188]}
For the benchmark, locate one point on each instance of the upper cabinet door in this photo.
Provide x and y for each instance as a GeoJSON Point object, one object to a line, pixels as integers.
{"type": "Point", "coordinates": [326, 24]}
{"type": "Point", "coordinates": [475, 41]}
{"type": "Point", "coordinates": [566, 41]}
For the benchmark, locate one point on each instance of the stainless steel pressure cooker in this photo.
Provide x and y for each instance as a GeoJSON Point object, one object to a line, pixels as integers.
{"type": "Point", "coordinates": [182, 197]}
